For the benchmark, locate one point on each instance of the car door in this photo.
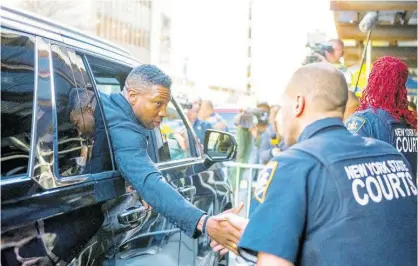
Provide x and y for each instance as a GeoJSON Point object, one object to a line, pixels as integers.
{"type": "Point", "coordinates": [148, 242]}
{"type": "Point", "coordinates": [51, 201]}
{"type": "Point", "coordinates": [181, 162]}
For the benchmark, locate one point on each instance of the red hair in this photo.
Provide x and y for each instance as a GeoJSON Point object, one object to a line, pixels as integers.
{"type": "Point", "coordinates": [386, 89]}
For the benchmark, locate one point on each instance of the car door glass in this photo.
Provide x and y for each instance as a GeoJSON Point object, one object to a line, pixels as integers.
{"type": "Point", "coordinates": [174, 137]}
{"type": "Point", "coordinates": [109, 77]}
{"type": "Point", "coordinates": [99, 153]}
{"type": "Point", "coordinates": [82, 141]}
{"type": "Point", "coordinates": [17, 87]}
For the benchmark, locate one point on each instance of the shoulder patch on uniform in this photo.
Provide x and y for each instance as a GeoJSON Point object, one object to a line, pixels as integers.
{"type": "Point", "coordinates": [354, 123]}
{"type": "Point", "coordinates": [263, 181]}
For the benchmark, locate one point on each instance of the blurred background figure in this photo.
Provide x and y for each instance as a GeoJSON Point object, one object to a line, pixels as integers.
{"type": "Point", "coordinates": [259, 133]}
{"type": "Point", "coordinates": [198, 125]}
{"type": "Point", "coordinates": [207, 114]}
{"type": "Point", "coordinates": [246, 122]}
{"type": "Point", "coordinates": [270, 138]}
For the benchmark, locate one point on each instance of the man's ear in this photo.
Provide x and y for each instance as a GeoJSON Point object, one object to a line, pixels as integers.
{"type": "Point", "coordinates": [299, 105]}
{"type": "Point", "coordinates": [132, 96]}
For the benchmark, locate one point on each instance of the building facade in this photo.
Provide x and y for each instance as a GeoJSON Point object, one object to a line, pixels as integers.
{"type": "Point", "coordinates": [142, 27]}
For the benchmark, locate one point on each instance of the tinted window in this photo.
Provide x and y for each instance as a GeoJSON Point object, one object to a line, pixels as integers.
{"type": "Point", "coordinates": [174, 135]}
{"type": "Point", "coordinates": [83, 146]}
{"type": "Point", "coordinates": [109, 76]}
{"type": "Point", "coordinates": [17, 87]}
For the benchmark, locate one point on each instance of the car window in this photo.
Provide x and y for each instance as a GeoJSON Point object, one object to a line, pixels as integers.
{"type": "Point", "coordinates": [109, 77]}
{"type": "Point", "coordinates": [83, 145]}
{"type": "Point", "coordinates": [173, 137]}
{"type": "Point", "coordinates": [17, 88]}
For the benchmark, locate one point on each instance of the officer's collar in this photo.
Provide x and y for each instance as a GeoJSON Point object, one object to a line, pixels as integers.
{"type": "Point", "coordinates": [319, 125]}
{"type": "Point", "coordinates": [121, 101]}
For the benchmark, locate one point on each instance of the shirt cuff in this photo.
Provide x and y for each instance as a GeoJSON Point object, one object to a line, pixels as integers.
{"type": "Point", "coordinates": [248, 255]}
{"type": "Point", "coordinates": [193, 232]}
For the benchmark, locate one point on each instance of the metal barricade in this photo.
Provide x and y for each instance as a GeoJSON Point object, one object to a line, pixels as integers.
{"type": "Point", "coordinates": [241, 168]}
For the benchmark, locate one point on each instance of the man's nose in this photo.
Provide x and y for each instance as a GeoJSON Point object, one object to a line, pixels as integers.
{"type": "Point", "coordinates": [163, 112]}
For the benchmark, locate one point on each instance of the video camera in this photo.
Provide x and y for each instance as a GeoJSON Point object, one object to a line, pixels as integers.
{"type": "Point", "coordinates": [252, 117]}
{"type": "Point", "coordinates": [314, 49]}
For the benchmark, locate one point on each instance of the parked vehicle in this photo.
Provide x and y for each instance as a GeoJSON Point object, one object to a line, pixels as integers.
{"type": "Point", "coordinates": [54, 175]}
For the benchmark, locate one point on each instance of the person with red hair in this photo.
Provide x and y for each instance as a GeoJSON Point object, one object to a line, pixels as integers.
{"type": "Point", "coordinates": [383, 112]}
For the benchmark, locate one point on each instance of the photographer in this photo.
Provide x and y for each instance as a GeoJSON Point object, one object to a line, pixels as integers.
{"type": "Point", "coordinates": [330, 52]}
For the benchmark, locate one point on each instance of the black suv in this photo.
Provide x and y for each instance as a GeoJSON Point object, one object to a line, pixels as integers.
{"type": "Point", "coordinates": [47, 174]}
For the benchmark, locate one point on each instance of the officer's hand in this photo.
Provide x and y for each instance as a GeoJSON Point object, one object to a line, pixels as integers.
{"type": "Point", "coordinates": [235, 210]}
{"type": "Point", "coordinates": [231, 245]}
{"type": "Point", "coordinates": [239, 223]}
{"type": "Point", "coordinates": [218, 248]}
{"type": "Point", "coordinates": [222, 232]}
{"type": "Point", "coordinates": [213, 244]}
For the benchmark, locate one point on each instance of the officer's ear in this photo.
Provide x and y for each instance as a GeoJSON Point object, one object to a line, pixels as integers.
{"type": "Point", "coordinates": [299, 105]}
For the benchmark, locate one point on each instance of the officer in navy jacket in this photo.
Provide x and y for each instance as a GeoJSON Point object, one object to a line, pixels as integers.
{"type": "Point", "coordinates": [332, 198]}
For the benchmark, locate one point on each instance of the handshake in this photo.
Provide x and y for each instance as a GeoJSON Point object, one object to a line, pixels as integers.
{"type": "Point", "coordinates": [225, 230]}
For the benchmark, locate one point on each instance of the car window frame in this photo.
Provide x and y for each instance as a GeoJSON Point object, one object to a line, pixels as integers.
{"type": "Point", "coordinates": [195, 157]}
{"type": "Point", "coordinates": [87, 176]}
{"type": "Point", "coordinates": [4, 180]}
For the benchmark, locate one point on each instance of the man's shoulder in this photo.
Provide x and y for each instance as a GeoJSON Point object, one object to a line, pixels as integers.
{"type": "Point", "coordinates": [347, 146]}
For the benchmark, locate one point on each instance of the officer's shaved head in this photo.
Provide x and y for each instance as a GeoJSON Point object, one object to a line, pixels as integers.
{"type": "Point", "coordinates": [315, 91]}
{"type": "Point", "coordinates": [322, 84]}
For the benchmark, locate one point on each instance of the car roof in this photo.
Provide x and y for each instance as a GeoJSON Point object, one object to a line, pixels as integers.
{"type": "Point", "coordinates": [14, 18]}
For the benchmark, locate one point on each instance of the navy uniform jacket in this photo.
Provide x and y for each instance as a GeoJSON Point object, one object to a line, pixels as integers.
{"type": "Point", "coordinates": [335, 199]}
{"type": "Point", "coordinates": [382, 126]}
{"type": "Point", "coordinates": [129, 142]}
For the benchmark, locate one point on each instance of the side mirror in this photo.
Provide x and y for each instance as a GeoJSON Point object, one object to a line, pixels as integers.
{"type": "Point", "coordinates": [219, 146]}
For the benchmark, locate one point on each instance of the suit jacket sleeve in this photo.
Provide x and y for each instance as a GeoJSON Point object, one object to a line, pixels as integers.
{"type": "Point", "coordinates": [130, 148]}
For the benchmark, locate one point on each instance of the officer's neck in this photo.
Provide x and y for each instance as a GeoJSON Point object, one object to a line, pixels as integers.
{"type": "Point", "coordinates": [312, 117]}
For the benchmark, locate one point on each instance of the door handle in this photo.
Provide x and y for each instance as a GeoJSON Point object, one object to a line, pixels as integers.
{"type": "Point", "coordinates": [188, 192]}
{"type": "Point", "coordinates": [132, 216]}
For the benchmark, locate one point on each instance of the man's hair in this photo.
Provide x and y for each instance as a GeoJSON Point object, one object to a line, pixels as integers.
{"type": "Point", "coordinates": [146, 76]}
{"type": "Point", "coordinates": [323, 83]}
{"type": "Point", "coordinates": [79, 98]}
{"type": "Point", "coordinates": [336, 41]}
{"type": "Point", "coordinates": [386, 89]}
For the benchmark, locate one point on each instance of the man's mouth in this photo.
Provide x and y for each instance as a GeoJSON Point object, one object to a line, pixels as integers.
{"type": "Point", "coordinates": [156, 124]}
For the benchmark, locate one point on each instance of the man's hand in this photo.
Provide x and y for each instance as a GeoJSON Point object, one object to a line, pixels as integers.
{"type": "Point", "coordinates": [224, 236]}
{"type": "Point", "coordinates": [237, 222]}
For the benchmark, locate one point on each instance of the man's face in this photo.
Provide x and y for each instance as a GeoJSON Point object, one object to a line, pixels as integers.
{"type": "Point", "coordinates": [336, 55]}
{"type": "Point", "coordinates": [286, 119]}
{"type": "Point", "coordinates": [150, 104]}
{"type": "Point", "coordinates": [205, 111]}
{"type": "Point", "coordinates": [83, 120]}
{"type": "Point", "coordinates": [192, 114]}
